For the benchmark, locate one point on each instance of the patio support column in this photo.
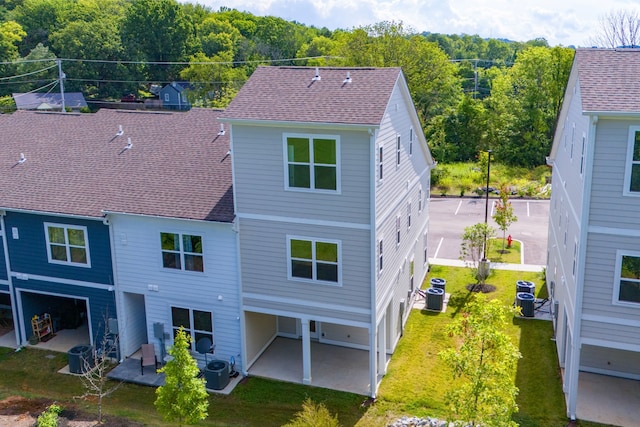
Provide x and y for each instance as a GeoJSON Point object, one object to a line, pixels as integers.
{"type": "Point", "coordinates": [382, 347]}
{"type": "Point", "coordinates": [306, 352]}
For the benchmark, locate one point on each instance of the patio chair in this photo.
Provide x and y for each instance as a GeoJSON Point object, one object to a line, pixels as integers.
{"type": "Point", "coordinates": [148, 357]}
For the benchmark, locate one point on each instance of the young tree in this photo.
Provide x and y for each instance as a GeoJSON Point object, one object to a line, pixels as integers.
{"type": "Point", "coordinates": [476, 243]}
{"type": "Point", "coordinates": [313, 415]}
{"type": "Point", "coordinates": [504, 215]}
{"type": "Point", "coordinates": [486, 361]}
{"type": "Point", "coordinates": [94, 376]}
{"type": "Point", "coordinates": [184, 397]}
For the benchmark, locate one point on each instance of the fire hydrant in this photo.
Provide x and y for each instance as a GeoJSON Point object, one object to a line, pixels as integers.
{"type": "Point", "coordinates": [509, 240]}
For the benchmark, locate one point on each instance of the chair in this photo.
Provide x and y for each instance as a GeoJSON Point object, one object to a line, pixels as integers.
{"type": "Point", "coordinates": [205, 346]}
{"type": "Point", "coordinates": [148, 357]}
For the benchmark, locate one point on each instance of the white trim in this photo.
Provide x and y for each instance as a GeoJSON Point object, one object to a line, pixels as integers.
{"type": "Point", "coordinates": [27, 276]}
{"type": "Point", "coordinates": [610, 373]}
{"type": "Point", "coordinates": [305, 304]}
{"type": "Point", "coordinates": [615, 297]}
{"type": "Point", "coordinates": [32, 291]}
{"type": "Point", "coordinates": [56, 214]}
{"type": "Point", "coordinates": [611, 320]}
{"type": "Point", "coordinates": [16, 319]}
{"type": "Point", "coordinates": [192, 330]}
{"type": "Point", "coordinates": [311, 163]}
{"type": "Point", "coordinates": [380, 173]}
{"type": "Point", "coordinates": [624, 232]}
{"type": "Point", "coordinates": [626, 191]}
{"type": "Point", "coordinates": [67, 244]}
{"type": "Point", "coordinates": [4, 282]}
{"type": "Point", "coordinates": [204, 221]}
{"type": "Point", "coordinates": [314, 260]}
{"type": "Point", "coordinates": [182, 252]}
{"type": "Point", "coordinates": [611, 344]}
{"type": "Point", "coordinates": [305, 221]}
{"type": "Point", "coordinates": [398, 150]}
{"type": "Point", "coordinates": [304, 125]}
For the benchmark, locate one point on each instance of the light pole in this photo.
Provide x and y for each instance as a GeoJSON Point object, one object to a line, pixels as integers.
{"type": "Point", "coordinates": [486, 206]}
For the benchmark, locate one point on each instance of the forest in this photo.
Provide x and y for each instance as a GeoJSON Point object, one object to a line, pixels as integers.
{"type": "Point", "coordinates": [472, 94]}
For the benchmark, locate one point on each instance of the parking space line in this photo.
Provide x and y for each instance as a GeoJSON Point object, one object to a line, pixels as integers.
{"type": "Point", "coordinates": [438, 248]}
{"type": "Point", "coordinates": [528, 209]}
{"type": "Point", "coordinates": [458, 208]}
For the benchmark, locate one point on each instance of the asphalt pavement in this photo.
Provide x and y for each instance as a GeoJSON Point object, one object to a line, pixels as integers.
{"type": "Point", "coordinates": [449, 216]}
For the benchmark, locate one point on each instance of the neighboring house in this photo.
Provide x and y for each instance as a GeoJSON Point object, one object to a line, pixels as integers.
{"type": "Point", "coordinates": [174, 96]}
{"type": "Point", "coordinates": [593, 269]}
{"type": "Point", "coordinates": [331, 185]}
{"type": "Point", "coordinates": [49, 101]}
{"type": "Point", "coordinates": [152, 191]}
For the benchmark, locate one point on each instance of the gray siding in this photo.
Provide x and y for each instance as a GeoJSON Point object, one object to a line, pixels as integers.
{"type": "Point", "coordinates": [263, 246]}
{"type": "Point", "coordinates": [610, 332]}
{"type": "Point", "coordinates": [614, 362]}
{"type": "Point", "coordinates": [259, 173]}
{"type": "Point", "coordinates": [608, 178]}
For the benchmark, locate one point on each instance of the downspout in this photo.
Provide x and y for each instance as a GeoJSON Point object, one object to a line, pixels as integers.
{"type": "Point", "coordinates": [584, 232]}
{"type": "Point", "coordinates": [117, 295]}
{"type": "Point", "coordinates": [373, 323]}
{"type": "Point", "coordinates": [14, 308]}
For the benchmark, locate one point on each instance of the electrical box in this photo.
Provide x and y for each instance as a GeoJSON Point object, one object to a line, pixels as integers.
{"type": "Point", "coordinates": [158, 330]}
{"type": "Point", "coordinates": [112, 326]}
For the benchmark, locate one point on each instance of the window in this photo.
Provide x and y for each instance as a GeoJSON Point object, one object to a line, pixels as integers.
{"type": "Point", "coordinates": [584, 142]}
{"type": "Point", "coordinates": [575, 258]}
{"type": "Point", "coordinates": [420, 200]}
{"type": "Point", "coordinates": [411, 270]}
{"type": "Point", "coordinates": [196, 323]}
{"type": "Point", "coordinates": [166, 97]}
{"type": "Point", "coordinates": [408, 215]}
{"type": "Point", "coordinates": [628, 283]}
{"type": "Point", "coordinates": [380, 255]}
{"type": "Point", "coordinates": [411, 141]}
{"type": "Point", "coordinates": [312, 162]}
{"type": "Point", "coordinates": [398, 230]}
{"type": "Point", "coordinates": [182, 251]}
{"type": "Point", "coordinates": [380, 162]}
{"type": "Point", "coordinates": [632, 171]}
{"type": "Point", "coordinates": [573, 132]}
{"type": "Point", "coordinates": [398, 146]}
{"type": "Point", "coordinates": [67, 244]}
{"type": "Point", "coordinates": [424, 248]}
{"type": "Point", "coordinates": [314, 260]}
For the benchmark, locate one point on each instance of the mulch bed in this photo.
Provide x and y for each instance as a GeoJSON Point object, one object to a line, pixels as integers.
{"type": "Point", "coordinates": [485, 289]}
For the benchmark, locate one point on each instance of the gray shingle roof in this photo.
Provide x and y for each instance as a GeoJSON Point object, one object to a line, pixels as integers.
{"type": "Point", "coordinates": [609, 79]}
{"type": "Point", "coordinates": [75, 164]}
{"type": "Point", "coordinates": [290, 94]}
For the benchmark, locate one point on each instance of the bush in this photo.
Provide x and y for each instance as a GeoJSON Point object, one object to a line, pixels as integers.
{"type": "Point", "coordinates": [49, 418]}
{"type": "Point", "coordinates": [313, 415]}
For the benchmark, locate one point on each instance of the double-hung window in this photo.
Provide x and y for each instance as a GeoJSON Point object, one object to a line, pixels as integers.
{"type": "Point", "coordinates": [182, 251]}
{"type": "Point", "coordinates": [627, 285]}
{"type": "Point", "coordinates": [314, 260]}
{"type": "Point", "coordinates": [197, 324]}
{"type": "Point", "coordinates": [632, 171]}
{"type": "Point", "coordinates": [67, 244]}
{"type": "Point", "coordinates": [398, 150]}
{"type": "Point", "coordinates": [312, 162]}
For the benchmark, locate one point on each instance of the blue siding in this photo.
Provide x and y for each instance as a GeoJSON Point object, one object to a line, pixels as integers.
{"type": "Point", "coordinates": [3, 264]}
{"type": "Point", "coordinates": [28, 253]}
{"type": "Point", "coordinates": [64, 310]}
{"type": "Point", "coordinates": [4, 288]}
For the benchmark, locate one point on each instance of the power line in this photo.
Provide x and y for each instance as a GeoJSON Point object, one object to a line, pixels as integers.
{"type": "Point", "coordinates": [28, 74]}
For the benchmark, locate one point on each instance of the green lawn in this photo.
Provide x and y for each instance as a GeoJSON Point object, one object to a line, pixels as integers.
{"type": "Point", "coordinates": [414, 385]}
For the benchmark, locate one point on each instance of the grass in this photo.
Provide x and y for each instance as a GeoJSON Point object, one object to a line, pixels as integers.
{"type": "Point", "coordinates": [462, 179]}
{"type": "Point", "coordinates": [508, 255]}
{"type": "Point", "coordinates": [414, 385]}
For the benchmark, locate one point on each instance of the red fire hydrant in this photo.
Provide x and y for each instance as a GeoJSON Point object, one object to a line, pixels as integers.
{"type": "Point", "coordinates": [509, 240]}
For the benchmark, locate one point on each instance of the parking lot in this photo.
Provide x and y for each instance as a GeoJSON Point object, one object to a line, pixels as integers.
{"type": "Point", "coordinates": [449, 216]}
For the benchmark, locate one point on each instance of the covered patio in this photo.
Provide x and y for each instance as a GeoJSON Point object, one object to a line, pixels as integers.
{"type": "Point", "coordinates": [334, 367]}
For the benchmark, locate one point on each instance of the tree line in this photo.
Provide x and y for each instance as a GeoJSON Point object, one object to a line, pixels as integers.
{"type": "Point", "coordinates": [472, 94]}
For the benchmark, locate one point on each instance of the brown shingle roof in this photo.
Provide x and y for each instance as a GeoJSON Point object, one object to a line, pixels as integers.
{"type": "Point", "coordinates": [290, 94]}
{"type": "Point", "coordinates": [609, 79]}
{"type": "Point", "coordinates": [76, 165]}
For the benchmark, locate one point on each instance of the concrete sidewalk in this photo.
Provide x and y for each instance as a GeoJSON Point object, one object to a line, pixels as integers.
{"type": "Point", "coordinates": [496, 265]}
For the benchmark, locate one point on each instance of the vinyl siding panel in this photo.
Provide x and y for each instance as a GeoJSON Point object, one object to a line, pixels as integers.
{"type": "Point", "coordinates": [614, 362]}
{"type": "Point", "coordinates": [608, 178]}
{"type": "Point", "coordinates": [139, 270]}
{"type": "Point", "coordinates": [28, 253]}
{"type": "Point", "coordinates": [259, 172]}
{"type": "Point", "coordinates": [629, 335]}
{"type": "Point", "coordinates": [263, 247]}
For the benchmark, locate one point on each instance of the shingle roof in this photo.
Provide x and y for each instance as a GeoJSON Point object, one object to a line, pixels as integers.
{"type": "Point", "coordinates": [75, 164]}
{"type": "Point", "coordinates": [290, 94]}
{"type": "Point", "coordinates": [609, 79]}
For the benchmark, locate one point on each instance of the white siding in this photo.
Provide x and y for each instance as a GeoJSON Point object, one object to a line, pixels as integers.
{"type": "Point", "coordinates": [139, 270]}
{"type": "Point", "coordinates": [613, 362]}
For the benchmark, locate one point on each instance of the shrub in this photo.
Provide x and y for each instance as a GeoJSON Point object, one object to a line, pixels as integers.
{"type": "Point", "coordinates": [49, 418]}
{"type": "Point", "coordinates": [313, 415]}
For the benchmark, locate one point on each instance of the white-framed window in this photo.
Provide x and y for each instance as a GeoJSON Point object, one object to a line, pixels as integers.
{"type": "Point", "coordinates": [67, 244]}
{"type": "Point", "coordinates": [420, 199]}
{"type": "Point", "coordinates": [398, 149]}
{"type": "Point", "coordinates": [411, 273]}
{"type": "Point", "coordinates": [424, 248]}
{"type": "Point", "coordinates": [632, 169]}
{"type": "Point", "coordinates": [182, 251]}
{"type": "Point", "coordinates": [198, 324]}
{"type": "Point", "coordinates": [573, 134]}
{"type": "Point", "coordinates": [584, 143]}
{"type": "Point", "coordinates": [627, 285]}
{"type": "Point", "coordinates": [574, 267]}
{"type": "Point", "coordinates": [398, 230]}
{"type": "Point", "coordinates": [409, 215]}
{"type": "Point", "coordinates": [312, 162]}
{"type": "Point", "coordinates": [410, 141]}
{"type": "Point", "coordinates": [380, 162]}
{"type": "Point", "coordinates": [167, 97]}
{"type": "Point", "coordinates": [380, 255]}
{"type": "Point", "coordinates": [314, 260]}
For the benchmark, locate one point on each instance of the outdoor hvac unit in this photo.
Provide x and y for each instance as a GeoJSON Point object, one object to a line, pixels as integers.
{"type": "Point", "coordinates": [525, 286]}
{"type": "Point", "coordinates": [435, 299]}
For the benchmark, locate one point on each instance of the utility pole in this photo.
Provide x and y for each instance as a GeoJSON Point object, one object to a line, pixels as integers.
{"type": "Point", "coordinates": [61, 77]}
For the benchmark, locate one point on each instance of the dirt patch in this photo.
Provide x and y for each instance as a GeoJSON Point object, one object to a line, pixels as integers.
{"type": "Point", "coordinates": [485, 289]}
{"type": "Point", "coordinates": [16, 411]}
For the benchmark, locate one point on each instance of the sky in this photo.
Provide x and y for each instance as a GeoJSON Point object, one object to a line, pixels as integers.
{"type": "Point", "coordinates": [560, 22]}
